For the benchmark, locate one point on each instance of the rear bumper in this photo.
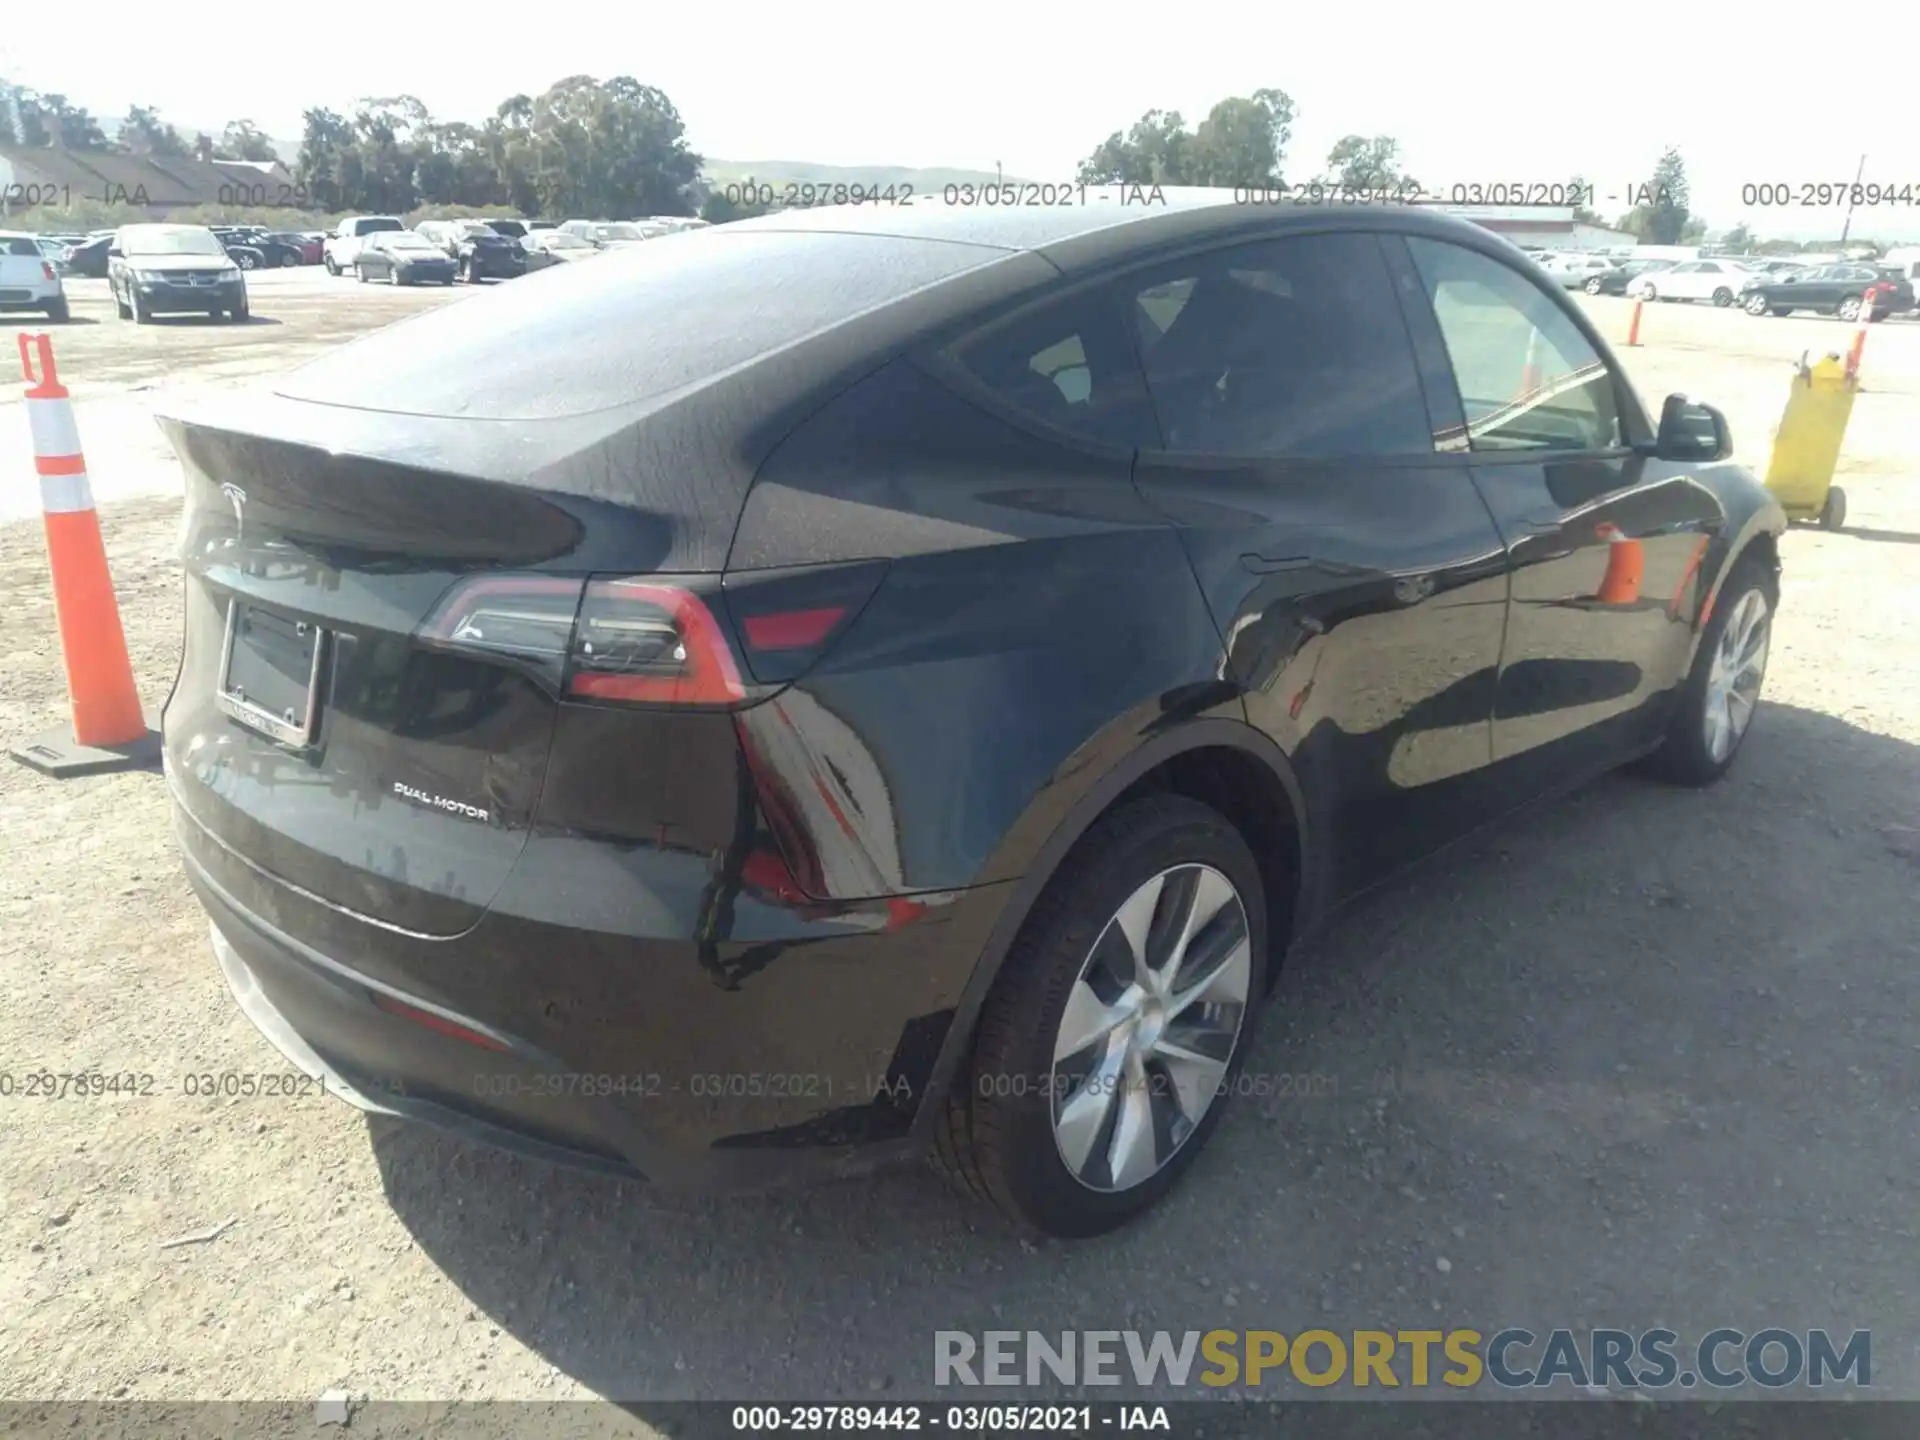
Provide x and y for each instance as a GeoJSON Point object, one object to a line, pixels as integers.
{"type": "Point", "coordinates": [30, 297]}
{"type": "Point", "coordinates": [689, 1065]}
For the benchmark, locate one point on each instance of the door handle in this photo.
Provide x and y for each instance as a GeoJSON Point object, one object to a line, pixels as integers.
{"type": "Point", "coordinates": [1273, 564]}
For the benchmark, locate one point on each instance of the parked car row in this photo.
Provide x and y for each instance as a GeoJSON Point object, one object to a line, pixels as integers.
{"type": "Point", "coordinates": [493, 248]}
{"type": "Point", "coordinates": [1760, 287]}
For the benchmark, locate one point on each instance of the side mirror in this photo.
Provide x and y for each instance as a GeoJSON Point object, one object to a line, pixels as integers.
{"type": "Point", "coordinates": [1692, 431]}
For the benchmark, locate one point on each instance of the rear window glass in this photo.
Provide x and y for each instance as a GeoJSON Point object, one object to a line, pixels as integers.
{"type": "Point", "coordinates": [632, 323]}
{"type": "Point", "coordinates": [19, 245]}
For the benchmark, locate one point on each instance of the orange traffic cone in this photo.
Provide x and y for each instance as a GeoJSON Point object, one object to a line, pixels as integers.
{"type": "Point", "coordinates": [1626, 563]}
{"type": "Point", "coordinates": [1860, 332]}
{"type": "Point", "coordinates": [109, 730]}
{"type": "Point", "coordinates": [1530, 372]}
{"type": "Point", "coordinates": [1633, 330]}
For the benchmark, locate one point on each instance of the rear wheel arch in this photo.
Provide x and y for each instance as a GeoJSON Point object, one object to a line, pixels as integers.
{"type": "Point", "coordinates": [1225, 764]}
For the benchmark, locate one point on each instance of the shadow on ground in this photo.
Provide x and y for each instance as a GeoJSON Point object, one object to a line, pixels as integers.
{"type": "Point", "coordinates": [1640, 1058]}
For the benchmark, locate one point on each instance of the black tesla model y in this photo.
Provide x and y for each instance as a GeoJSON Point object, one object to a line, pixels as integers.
{"type": "Point", "coordinates": [787, 696]}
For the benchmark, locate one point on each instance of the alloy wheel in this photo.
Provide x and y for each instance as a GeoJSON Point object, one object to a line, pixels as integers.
{"type": "Point", "coordinates": [1733, 680]}
{"type": "Point", "coordinates": [1150, 1027]}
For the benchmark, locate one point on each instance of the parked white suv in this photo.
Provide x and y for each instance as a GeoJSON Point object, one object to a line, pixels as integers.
{"type": "Point", "coordinates": [1717, 280]}
{"type": "Point", "coordinates": [28, 280]}
{"type": "Point", "coordinates": [1573, 271]}
{"type": "Point", "coordinates": [342, 248]}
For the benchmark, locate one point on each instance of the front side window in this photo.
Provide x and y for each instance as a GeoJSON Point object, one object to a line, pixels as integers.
{"type": "Point", "coordinates": [1282, 349]}
{"type": "Point", "coordinates": [1527, 377]}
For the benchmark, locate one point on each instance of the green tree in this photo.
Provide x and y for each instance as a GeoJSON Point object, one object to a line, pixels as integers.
{"type": "Point", "coordinates": [144, 133]}
{"type": "Point", "coordinates": [1659, 214]}
{"type": "Point", "coordinates": [1582, 214]}
{"type": "Point", "coordinates": [615, 149]}
{"type": "Point", "coordinates": [1243, 141]}
{"type": "Point", "coordinates": [1360, 162]}
{"type": "Point", "coordinates": [244, 140]}
{"type": "Point", "coordinates": [8, 134]}
{"type": "Point", "coordinates": [70, 127]}
{"type": "Point", "coordinates": [1694, 229]}
{"type": "Point", "coordinates": [1738, 238]}
{"type": "Point", "coordinates": [34, 131]}
{"type": "Point", "coordinates": [325, 139]}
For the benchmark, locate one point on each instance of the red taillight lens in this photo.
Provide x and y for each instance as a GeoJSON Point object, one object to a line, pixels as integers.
{"type": "Point", "coordinates": [655, 639]}
{"type": "Point", "coordinates": [650, 642]}
{"type": "Point", "coordinates": [526, 620]}
{"type": "Point", "coordinates": [788, 617]}
{"type": "Point", "coordinates": [46, 269]}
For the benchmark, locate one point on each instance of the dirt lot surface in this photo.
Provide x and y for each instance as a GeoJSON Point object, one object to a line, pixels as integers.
{"type": "Point", "coordinates": [1644, 1058]}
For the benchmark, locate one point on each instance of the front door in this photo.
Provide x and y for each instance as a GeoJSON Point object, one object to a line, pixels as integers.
{"type": "Point", "coordinates": [1605, 543]}
{"type": "Point", "coordinates": [1356, 576]}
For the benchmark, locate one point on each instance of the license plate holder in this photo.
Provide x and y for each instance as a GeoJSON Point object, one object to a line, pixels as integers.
{"type": "Point", "coordinates": [270, 673]}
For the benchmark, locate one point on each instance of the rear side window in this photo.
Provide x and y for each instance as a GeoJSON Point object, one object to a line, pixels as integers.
{"type": "Point", "coordinates": [638, 322]}
{"type": "Point", "coordinates": [1284, 349]}
{"type": "Point", "coordinates": [1069, 364]}
{"type": "Point", "coordinates": [19, 245]}
{"type": "Point", "coordinates": [1528, 379]}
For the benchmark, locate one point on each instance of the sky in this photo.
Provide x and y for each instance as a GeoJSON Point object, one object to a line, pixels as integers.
{"type": "Point", "coordinates": [1476, 93]}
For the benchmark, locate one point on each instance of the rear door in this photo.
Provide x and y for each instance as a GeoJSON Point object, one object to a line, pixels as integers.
{"type": "Point", "coordinates": [1355, 575]}
{"type": "Point", "coordinates": [1605, 544]}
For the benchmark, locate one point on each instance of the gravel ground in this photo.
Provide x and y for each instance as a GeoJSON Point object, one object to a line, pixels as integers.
{"type": "Point", "coordinates": [1641, 1058]}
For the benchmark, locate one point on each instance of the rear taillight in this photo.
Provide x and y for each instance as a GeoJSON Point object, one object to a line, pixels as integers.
{"type": "Point", "coordinates": [652, 643]}
{"type": "Point", "coordinates": [524, 620]}
{"type": "Point", "coordinates": [787, 618]}
{"type": "Point", "coordinates": [656, 639]}
{"type": "Point", "coordinates": [46, 269]}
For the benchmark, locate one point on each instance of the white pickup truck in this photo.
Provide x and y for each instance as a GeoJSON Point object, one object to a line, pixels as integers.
{"type": "Point", "coordinates": [342, 248]}
{"type": "Point", "coordinates": [28, 280]}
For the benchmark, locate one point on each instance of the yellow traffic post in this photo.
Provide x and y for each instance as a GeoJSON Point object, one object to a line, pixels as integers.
{"type": "Point", "coordinates": [1806, 448]}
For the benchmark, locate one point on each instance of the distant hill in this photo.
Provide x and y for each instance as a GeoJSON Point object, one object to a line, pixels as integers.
{"type": "Point", "coordinates": [777, 173]}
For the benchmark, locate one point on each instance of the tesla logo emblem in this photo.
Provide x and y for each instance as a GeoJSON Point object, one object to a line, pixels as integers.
{"type": "Point", "coordinates": [237, 498]}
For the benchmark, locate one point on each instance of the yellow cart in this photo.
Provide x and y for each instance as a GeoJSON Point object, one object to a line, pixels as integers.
{"type": "Point", "coordinates": [1806, 448]}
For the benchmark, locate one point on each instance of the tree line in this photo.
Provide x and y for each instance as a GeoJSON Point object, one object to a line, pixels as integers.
{"type": "Point", "coordinates": [613, 148]}
{"type": "Point", "coordinates": [1243, 142]}
{"type": "Point", "coordinates": [617, 148]}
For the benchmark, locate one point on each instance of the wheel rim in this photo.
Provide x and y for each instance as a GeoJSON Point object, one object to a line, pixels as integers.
{"type": "Point", "coordinates": [1733, 681]}
{"type": "Point", "coordinates": [1757, 305]}
{"type": "Point", "coordinates": [1150, 1027]}
{"type": "Point", "coordinates": [1849, 309]}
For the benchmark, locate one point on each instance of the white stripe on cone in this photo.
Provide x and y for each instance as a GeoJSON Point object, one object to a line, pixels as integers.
{"type": "Point", "coordinates": [64, 494]}
{"type": "Point", "coordinates": [54, 432]}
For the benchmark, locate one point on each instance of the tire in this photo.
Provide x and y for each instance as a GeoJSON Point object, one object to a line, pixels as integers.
{"type": "Point", "coordinates": [141, 315]}
{"type": "Point", "coordinates": [360, 274]}
{"type": "Point", "coordinates": [997, 1137]}
{"type": "Point", "coordinates": [1686, 756]}
{"type": "Point", "coordinates": [1782, 311]}
{"type": "Point", "coordinates": [247, 262]}
{"type": "Point", "coordinates": [57, 311]}
{"type": "Point", "coordinates": [1849, 308]}
{"type": "Point", "coordinates": [120, 308]}
{"type": "Point", "coordinates": [1833, 515]}
{"type": "Point", "coordinates": [1756, 305]}
{"type": "Point", "coordinates": [239, 315]}
{"type": "Point", "coordinates": [332, 269]}
{"type": "Point", "coordinates": [1649, 293]}
{"type": "Point", "coordinates": [1722, 298]}
{"type": "Point", "coordinates": [1593, 286]}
